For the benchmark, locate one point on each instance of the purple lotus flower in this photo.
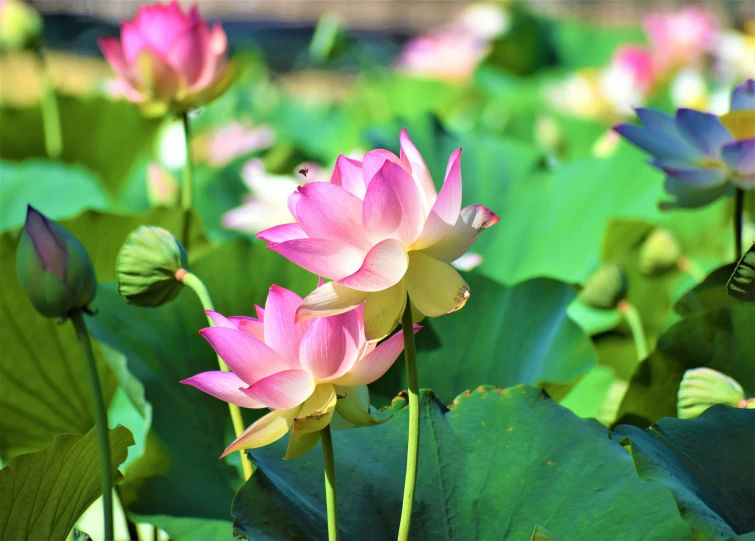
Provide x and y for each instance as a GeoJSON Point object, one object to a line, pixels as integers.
{"type": "Point", "coordinates": [702, 155]}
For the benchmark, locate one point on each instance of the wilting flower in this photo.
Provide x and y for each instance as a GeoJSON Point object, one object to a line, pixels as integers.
{"type": "Point", "coordinates": [701, 154]}
{"type": "Point", "coordinates": [267, 205]}
{"type": "Point", "coordinates": [379, 229]}
{"type": "Point", "coordinates": [681, 38]}
{"type": "Point", "coordinates": [304, 371]}
{"type": "Point", "coordinates": [168, 59]}
{"type": "Point", "coordinates": [53, 267]}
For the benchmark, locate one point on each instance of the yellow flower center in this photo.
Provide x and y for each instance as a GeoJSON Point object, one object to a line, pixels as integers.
{"type": "Point", "coordinates": [741, 124]}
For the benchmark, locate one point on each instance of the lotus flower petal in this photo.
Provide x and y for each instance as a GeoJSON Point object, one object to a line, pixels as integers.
{"type": "Point", "coordinates": [323, 257]}
{"type": "Point", "coordinates": [659, 144]}
{"type": "Point", "coordinates": [472, 220]}
{"type": "Point", "coordinates": [743, 97]}
{"type": "Point", "coordinates": [282, 233]}
{"type": "Point", "coordinates": [301, 444]}
{"type": "Point", "coordinates": [282, 332]}
{"type": "Point", "coordinates": [434, 287]}
{"type": "Point", "coordinates": [703, 130]}
{"type": "Point", "coordinates": [330, 345]}
{"type": "Point", "coordinates": [382, 311]}
{"type": "Point", "coordinates": [348, 175]}
{"type": "Point", "coordinates": [316, 411]}
{"type": "Point", "coordinates": [250, 359]}
{"type": "Point", "coordinates": [383, 267]}
{"type": "Point", "coordinates": [445, 211]}
{"type": "Point", "coordinates": [224, 385]}
{"type": "Point", "coordinates": [283, 390]}
{"type": "Point", "coordinates": [264, 431]}
{"type": "Point", "coordinates": [419, 170]}
{"type": "Point", "coordinates": [329, 299]}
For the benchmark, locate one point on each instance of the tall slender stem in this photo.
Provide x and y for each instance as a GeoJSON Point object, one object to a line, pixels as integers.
{"type": "Point", "coordinates": [133, 531]}
{"type": "Point", "coordinates": [192, 281]}
{"type": "Point", "coordinates": [50, 113]}
{"type": "Point", "coordinates": [330, 483]}
{"type": "Point", "coordinates": [100, 417]}
{"type": "Point", "coordinates": [739, 200]}
{"type": "Point", "coordinates": [633, 319]}
{"type": "Point", "coordinates": [187, 183]}
{"type": "Point", "coordinates": [412, 453]}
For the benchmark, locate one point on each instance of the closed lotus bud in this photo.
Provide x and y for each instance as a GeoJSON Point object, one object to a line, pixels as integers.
{"type": "Point", "coordinates": [147, 265]}
{"type": "Point", "coordinates": [605, 287]}
{"type": "Point", "coordinates": [53, 267]}
{"type": "Point", "coordinates": [169, 60]}
{"type": "Point", "coordinates": [702, 388]}
{"type": "Point", "coordinates": [659, 253]}
{"type": "Point", "coordinates": [162, 187]}
{"type": "Point", "coordinates": [20, 26]}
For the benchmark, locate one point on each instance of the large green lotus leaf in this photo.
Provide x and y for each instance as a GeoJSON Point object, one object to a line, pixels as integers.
{"type": "Point", "coordinates": [162, 346]}
{"type": "Point", "coordinates": [43, 494]}
{"type": "Point", "coordinates": [551, 224]}
{"type": "Point", "coordinates": [191, 529]}
{"type": "Point", "coordinates": [60, 190]}
{"type": "Point", "coordinates": [506, 336]}
{"type": "Point", "coordinates": [709, 294]}
{"type": "Point", "coordinates": [707, 464]}
{"type": "Point", "coordinates": [581, 45]}
{"type": "Point", "coordinates": [494, 465]}
{"type": "Point", "coordinates": [106, 136]}
{"type": "Point", "coordinates": [44, 390]}
{"type": "Point", "coordinates": [721, 339]}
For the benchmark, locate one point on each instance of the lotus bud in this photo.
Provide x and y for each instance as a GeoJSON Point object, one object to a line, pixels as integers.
{"type": "Point", "coordinates": [162, 187]}
{"type": "Point", "coordinates": [147, 265]}
{"type": "Point", "coordinates": [20, 26]}
{"type": "Point", "coordinates": [605, 287]}
{"type": "Point", "coordinates": [659, 253]}
{"type": "Point", "coordinates": [53, 267]}
{"type": "Point", "coordinates": [702, 388]}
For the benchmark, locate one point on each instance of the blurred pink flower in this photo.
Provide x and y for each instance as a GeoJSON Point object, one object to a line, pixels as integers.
{"type": "Point", "coordinates": [267, 205]}
{"type": "Point", "coordinates": [681, 38]}
{"type": "Point", "coordinates": [628, 79]}
{"type": "Point", "coordinates": [304, 371]}
{"type": "Point", "coordinates": [162, 187]}
{"type": "Point", "coordinates": [168, 59]}
{"type": "Point", "coordinates": [231, 141]}
{"type": "Point", "coordinates": [379, 229]}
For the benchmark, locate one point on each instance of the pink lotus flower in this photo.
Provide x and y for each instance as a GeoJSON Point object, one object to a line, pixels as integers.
{"type": "Point", "coordinates": [169, 59]}
{"type": "Point", "coordinates": [682, 38]}
{"type": "Point", "coordinates": [380, 230]}
{"type": "Point", "coordinates": [304, 371]}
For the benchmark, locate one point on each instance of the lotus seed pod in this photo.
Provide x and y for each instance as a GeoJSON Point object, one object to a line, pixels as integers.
{"type": "Point", "coordinates": [605, 287]}
{"type": "Point", "coordinates": [147, 265]}
{"type": "Point", "coordinates": [659, 253]}
{"type": "Point", "coordinates": [702, 388]}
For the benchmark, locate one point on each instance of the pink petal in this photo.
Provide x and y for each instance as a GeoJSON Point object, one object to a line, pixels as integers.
{"type": "Point", "coordinates": [348, 175]}
{"type": "Point", "coordinates": [260, 312]}
{"type": "Point", "coordinates": [329, 347]}
{"type": "Point", "coordinates": [383, 267]}
{"type": "Point", "coordinates": [214, 62]}
{"type": "Point", "coordinates": [225, 386]}
{"type": "Point", "coordinates": [328, 300]}
{"type": "Point", "coordinates": [283, 390]}
{"type": "Point", "coordinates": [161, 25]}
{"type": "Point", "coordinates": [132, 40]}
{"type": "Point", "coordinates": [377, 363]}
{"type": "Point", "coordinates": [282, 332]}
{"type": "Point", "coordinates": [445, 211]}
{"type": "Point", "coordinates": [220, 320]}
{"type": "Point", "coordinates": [113, 51]}
{"type": "Point", "coordinates": [250, 359]}
{"type": "Point", "coordinates": [374, 160]}
{"type": "Point", "coordinates": [156, 76]}
{"type": "Point", "coordinates": [472, 220]}
{"type": "Point", "coordinates": [187, 53]}
{"type": "Point", "coordinates": [327, 211]}
{"type": "Point", "coordinates": [322, 257]}
{"type": "Point", "coordinates": [253, 328]}
{"type": "Point", "coordinates": [282, 233]}
{"type": "Point", "coordinates": [392, 206]}
{"type": "Point", "coordinates": [264, 431]}
{"type": "Point", "coordinates": [420, 173]}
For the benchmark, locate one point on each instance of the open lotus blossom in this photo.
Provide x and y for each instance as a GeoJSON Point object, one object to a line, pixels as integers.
{"type": "Point", "coordinates": [303, 371]}
{"type": "Point", "coordinates": [702, 155]}
{"type": "Point", "coordinates": [378, 230]}
{"type": "Point", "coordinates": [166, 58]}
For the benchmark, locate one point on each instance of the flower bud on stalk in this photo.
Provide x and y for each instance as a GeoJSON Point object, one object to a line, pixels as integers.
{"type": "Point", "coordinates": [605, 287]}
{"type": "Point", "coordinates": [659, 253]}
{"type": "Point", "coordinates": [146, 267]}
{"type": "Point", "coordinates": [53, 267]}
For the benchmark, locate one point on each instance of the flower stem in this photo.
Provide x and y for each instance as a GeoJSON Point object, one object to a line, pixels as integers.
{"type": "Point", "coordinates": [412, 453]}
{"type": "Point", "coordinates": [100, 417]}
{"type": "Point", "coordinates": [50, 113]}
{"type": "Point", "coordinates": [330, 483]}
{"type": "Point", "coordinates": [196, 285]}
{"type": "Point", "coordinates": [739, 199]}
{"type": "Point", "coordinates": [633, 319]}
{"type": "Point", "coordinates": [187, 183]}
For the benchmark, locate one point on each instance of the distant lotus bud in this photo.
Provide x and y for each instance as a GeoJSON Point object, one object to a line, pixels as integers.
{"type": "Point", "coordinates": [147, 265]}
{"type": "Point", "coordinates": [162, 187]}
{"type": "Point", "coordinates": [702, 388]}
{"type": "Point", "coordinates": [20, 26]}
{"type": "Point", "coordinates": [53, 267]}
{"type": "Point", "coordinates": [659, 253]}
{"type": "Point", "coordinates": [605, 287]}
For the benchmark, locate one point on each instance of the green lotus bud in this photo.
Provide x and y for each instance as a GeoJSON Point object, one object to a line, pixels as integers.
{"type": "Point", "coordinates": [605, 287]}
{"type": "Point", "coordinates": [20, 26]}
{"type": "Point", "coordinates": [702, 388]}
{"type": "Point", "coordinates": [147, 265]}
{"type": "Point", "coordinates": [741, 285]}
{"type": "Point", "coordinates": [53, 267]}
{"type": "Point", "coordinates": [659, 253]}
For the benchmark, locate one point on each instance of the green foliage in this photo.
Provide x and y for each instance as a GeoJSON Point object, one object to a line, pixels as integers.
{"type": "Point", "coordinates": [494, 465]}
{"type": "Point", "coordinates": [42, 494]}
{"type": "Point", "coordinates": [740, 284]}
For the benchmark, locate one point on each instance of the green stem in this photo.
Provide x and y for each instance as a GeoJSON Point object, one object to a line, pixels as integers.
{"type": "Point", "coordinates": [633, 319]}
{"type": "Point", "coordinates": [330, 483]}
{"type": "Point", "coordinates": [196, 285]}
{"type": "Point", "coordinates": [187, 183]}
{"type": "Point", "coordinates": [50, 113]}
{"type": "Point", "coordinates": [412, 453]}
{"type": "Point", "coordinates": [739, 200]}
{"type": "Point", "coordinates": [100, 417]}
